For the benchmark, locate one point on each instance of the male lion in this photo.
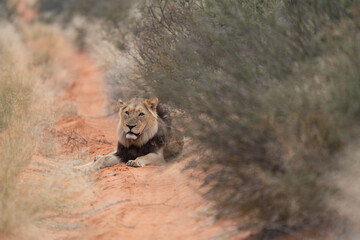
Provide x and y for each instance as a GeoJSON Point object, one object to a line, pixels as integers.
{"type": "Point", "coordinates": [144, 134]}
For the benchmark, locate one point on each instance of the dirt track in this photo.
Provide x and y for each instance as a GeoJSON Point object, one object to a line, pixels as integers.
{"type": "Point", "coordinates": [128, 203]}
{"type": "Point", "coordinates": [134, 203]}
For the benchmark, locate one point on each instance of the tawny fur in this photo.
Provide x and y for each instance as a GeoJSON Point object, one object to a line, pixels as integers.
{"type": "Point", "coordinates": [148, 131]}
{"type": "Point", "coordinates": [147, 127]}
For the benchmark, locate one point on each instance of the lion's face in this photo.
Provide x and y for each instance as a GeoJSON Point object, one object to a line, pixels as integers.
{"type": "Point", "coordinates": [138, 119]}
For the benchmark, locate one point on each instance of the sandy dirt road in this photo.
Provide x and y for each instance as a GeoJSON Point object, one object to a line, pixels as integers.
{"type": "Point", "coordinates": [130, 203]}
{"type": "Point", "coordinates": [127, 203]}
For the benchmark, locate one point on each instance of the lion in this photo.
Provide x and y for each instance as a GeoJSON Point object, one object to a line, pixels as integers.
{"type": "Point", "coordinates": [145, 136]}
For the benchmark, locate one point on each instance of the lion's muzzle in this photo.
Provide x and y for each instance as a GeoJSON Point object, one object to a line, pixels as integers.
{"type": "Point", "coordinates": [131, 135]}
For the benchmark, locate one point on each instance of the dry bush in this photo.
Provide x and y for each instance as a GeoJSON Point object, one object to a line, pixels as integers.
{"type": "Point", "coordinates": [113, 16]}
{"type": "Point", "coordinates": [45, 39]}
{"type": "Point", "coordinates": [106, 38]}
{"type": "Point", "coordinates": [14, 92]}
{"type": "Point", "coordinates": [35, 193]}
{"type": "Point", "coordinates": [272, 89]}
{"type": "Point", "coordinates": [66, 10]}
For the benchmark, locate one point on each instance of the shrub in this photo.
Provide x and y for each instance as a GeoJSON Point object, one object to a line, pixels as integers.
{"type": "Point", "coordinates": [272, 88]}
{"type": "Point", "coordinates": [108, 9]}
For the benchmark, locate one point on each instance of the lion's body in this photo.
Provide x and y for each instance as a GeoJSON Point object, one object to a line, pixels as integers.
{"type": "Point", "coordinates": [144, 134]}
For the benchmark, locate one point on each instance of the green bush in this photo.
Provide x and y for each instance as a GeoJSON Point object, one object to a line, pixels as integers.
{"type": "Point", "coordinates": [108, 9]}
{"type": "Point", "coordinates": [113, 16]}
{"type": "Point", "coordinates": [272, 88]}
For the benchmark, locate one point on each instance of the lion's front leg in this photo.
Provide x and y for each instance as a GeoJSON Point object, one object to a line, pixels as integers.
{"type": "Point", "coordinates": [106, 161]}
{"type": "Point", "coordinates": [100, 162]}
{"type": "Point", "coordinates": [149, 159]}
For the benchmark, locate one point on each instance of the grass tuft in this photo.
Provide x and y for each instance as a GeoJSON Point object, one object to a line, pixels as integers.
{"type": "Point", "coordinates": [36, 193]}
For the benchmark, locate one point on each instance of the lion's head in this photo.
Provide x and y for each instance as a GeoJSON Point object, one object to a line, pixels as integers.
{"type": "Point", "coordinates": [138, 121]}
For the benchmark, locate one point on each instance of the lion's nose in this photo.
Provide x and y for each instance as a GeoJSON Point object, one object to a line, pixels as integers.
{"type": "Point", "coordinates": [130, 126]}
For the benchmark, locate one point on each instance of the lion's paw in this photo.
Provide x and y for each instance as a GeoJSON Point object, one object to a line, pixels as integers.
{"type": "Point", "coordinates": [97, 157]}
{"type": "Point", "coordinates": [84, 169]}
{"type": "Point", "coordinates": [134, 163]}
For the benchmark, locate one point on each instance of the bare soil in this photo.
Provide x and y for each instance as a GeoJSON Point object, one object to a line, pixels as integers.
{"type": "Point", "coordinates": [130, 203]}
{"type": "Point", "coordinates": [127, 203]}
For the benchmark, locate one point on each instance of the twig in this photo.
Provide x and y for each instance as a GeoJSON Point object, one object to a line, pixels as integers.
{"type": "Point", "coordinates": [104, 141]}
{"type": "Point", "coordinates": [105, 206]}
{"type": "Point", "coordinates": [162, 203]}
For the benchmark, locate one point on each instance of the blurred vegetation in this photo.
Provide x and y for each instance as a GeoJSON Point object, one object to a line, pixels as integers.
{"type": "Point", "coordinates": [272, 88]}
{"type": "Point", "coordinates": [32, 199]}
{"type": "Point", "coordinates": [3, 12]}
{"type": "Point", "coordinates": [107, 9]}
{"type": "Point", "coordinates": [114, 17]}
{"type": "Point", "coordinates": [17, 206]}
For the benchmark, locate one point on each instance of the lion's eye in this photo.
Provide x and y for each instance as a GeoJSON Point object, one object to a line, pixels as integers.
{"type": "Point", "coordinates": [141, 114]}
{"type": "Point", "coordinates": [126, 112]}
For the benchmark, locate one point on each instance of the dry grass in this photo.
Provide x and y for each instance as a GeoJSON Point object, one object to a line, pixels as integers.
{"type": "Point", "coordinates": [45, 36]}
{"type": "Point", "coordinates": [35, 192]}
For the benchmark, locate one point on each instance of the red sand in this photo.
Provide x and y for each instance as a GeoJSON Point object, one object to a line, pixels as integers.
{"type": "Point", "coordinates": [128, 203]}
{"type": "Point", "coordinates": [155, 202]}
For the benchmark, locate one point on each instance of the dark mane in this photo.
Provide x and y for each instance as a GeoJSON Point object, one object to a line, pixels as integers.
{"type": "Point", "coordinates": [153, 145]}
{"type": "Point", "coordinates": [164, 114]}
{"type": "Point", "coordinates": [133, 152]}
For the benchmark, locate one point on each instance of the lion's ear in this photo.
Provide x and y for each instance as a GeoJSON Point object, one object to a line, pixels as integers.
{"type": "Point", "coordinates": [120, 103]}
{"type": "Point", "coordinates": [152, 103]}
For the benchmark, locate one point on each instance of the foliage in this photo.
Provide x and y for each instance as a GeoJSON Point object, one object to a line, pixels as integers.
{"type": "Point", "coordinates": [272, 87]}
{"type": "Point", "coordinates": [109, 10]}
